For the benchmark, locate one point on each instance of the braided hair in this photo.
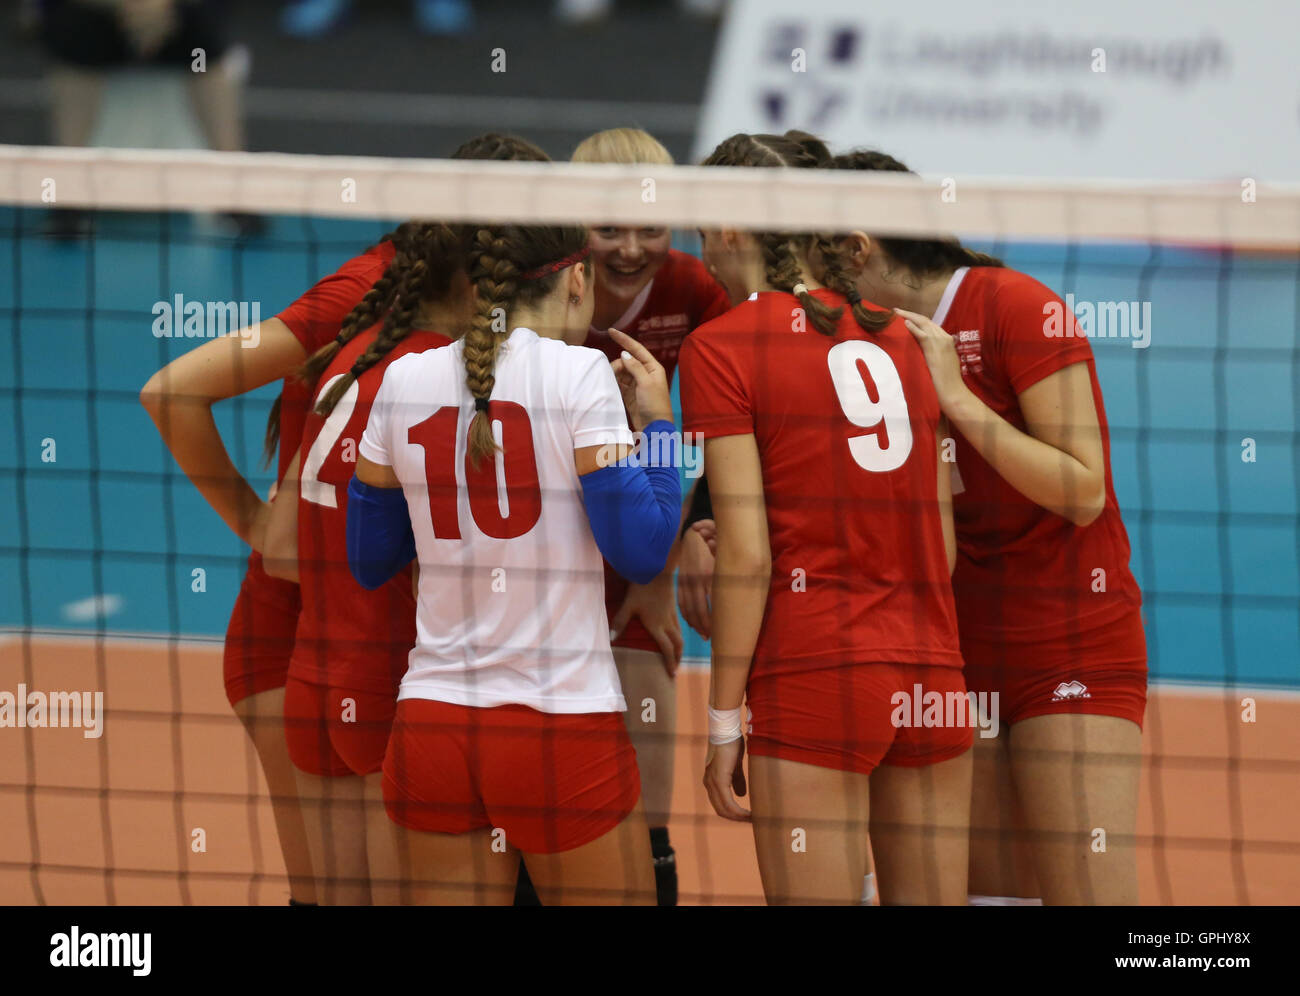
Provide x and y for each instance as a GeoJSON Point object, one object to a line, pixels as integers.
{"type": "Point", "coordinates": [428, 257]}
{"type": "Point", "coordinates": [799, 150]}
{"type": "Point", "coordinates": [499, 257]}
{"type": "Point", "coordinates": [397, 293]}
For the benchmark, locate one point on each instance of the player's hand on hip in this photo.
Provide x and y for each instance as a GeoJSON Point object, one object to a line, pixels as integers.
{"type": "Point", "coordinates": [724, 779]}
{"type": "Point", "coordinates": [940, 351]}
{"type": "Point", "coordinates": [643, 381]}
{"type": "Point", "coordinates": [653, 604]}
{"type": "Point", "coordinates": [695, 576]}
{"type": "Point", "coordinates": [257, 525]}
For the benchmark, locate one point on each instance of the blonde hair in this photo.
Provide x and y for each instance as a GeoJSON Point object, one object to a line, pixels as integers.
{"type": "Point", "coordinates": [629, 146]}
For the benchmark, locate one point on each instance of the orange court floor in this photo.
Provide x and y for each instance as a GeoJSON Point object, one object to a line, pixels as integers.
{"type": "Point", "coordinates": [90, 821]}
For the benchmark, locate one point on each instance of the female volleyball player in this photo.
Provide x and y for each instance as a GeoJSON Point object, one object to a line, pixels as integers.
{"type": "Point", "coordinates": [351, 645]}
{"type": "Point", "coordinates": [1048, 608]}
{"type": "Point", "coordinates": [832, 611]}
{"type": "Point", "coordinates": [656, 295]}
{"type": "Point", "coordinates": [508, 450]}
{"type": "Point", "coordinates": [259, 639]}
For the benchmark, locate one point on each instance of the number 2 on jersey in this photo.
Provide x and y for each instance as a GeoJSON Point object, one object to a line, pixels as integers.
{"type": "Point", "coordinates": [514, 470]}
{"type": "Point", "coordinates": [888, 412]}
{"type": "Point", "coordinates": [311, 487]}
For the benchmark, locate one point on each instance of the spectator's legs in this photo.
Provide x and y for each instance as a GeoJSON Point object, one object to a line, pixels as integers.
{"type": "Point", "coordinates": [217, 96]}
{"type": "Point", "coordinates": [76, 94]}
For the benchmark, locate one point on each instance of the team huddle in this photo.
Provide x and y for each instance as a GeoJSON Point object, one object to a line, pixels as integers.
{"type": "Point", "coordinates": [468, 576]}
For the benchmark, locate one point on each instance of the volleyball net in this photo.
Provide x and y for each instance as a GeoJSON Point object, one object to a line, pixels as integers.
{"type": "Point", "coordinates": [134, 783]}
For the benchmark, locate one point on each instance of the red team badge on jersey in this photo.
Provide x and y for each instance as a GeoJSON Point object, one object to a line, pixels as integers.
{"type": "Point", "coordinates": [968, 351]}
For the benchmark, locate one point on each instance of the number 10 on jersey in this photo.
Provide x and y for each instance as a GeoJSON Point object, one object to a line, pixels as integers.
{"type": "Point", "coordinates": [505, 497]}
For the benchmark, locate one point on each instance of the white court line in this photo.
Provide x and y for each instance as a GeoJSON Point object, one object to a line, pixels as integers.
{"type": "Point", "coordinates": [1199, 690]}
{"type": "Point", "coordinates": [14, 635]}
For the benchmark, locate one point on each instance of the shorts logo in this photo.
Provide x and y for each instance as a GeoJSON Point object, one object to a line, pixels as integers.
{"type": "Point", "coordinates": [1070, 690]}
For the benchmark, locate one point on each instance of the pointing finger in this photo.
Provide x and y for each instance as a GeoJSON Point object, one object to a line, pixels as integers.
{"type": "Point", "coordinates": [637, 350]}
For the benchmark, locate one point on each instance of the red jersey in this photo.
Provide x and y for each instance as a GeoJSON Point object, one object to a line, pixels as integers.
{"type": "Point", "coordinates": [681, 297]}
{"type": "Point", "coordinates": [347, 636]}
{"type": "Point", "coordinates": [1024, 573]}
{"type": "Point", "coordinates": [846, 430]}
{"type": "Point", "coordinates": [315, 319]}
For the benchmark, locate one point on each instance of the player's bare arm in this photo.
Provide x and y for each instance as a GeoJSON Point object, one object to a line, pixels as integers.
{"type": "Point", "coordinates": [741, 580]}
{"type": "Point", "coordinates": [179, 399]}
{"type": "Point", "coordinates": [280, 555]}
{"type": "Point", "coordinates": [1059, 463]}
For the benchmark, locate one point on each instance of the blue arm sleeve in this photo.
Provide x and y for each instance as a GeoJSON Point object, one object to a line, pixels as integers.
{"type": "Point", "coordinates": [635, 505]}
{"type": "Point", "coordinates": [380, 540]}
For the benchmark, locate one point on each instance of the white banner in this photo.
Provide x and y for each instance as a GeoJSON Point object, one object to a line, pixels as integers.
{"type": "Point", "coordinates": [1142, 89]}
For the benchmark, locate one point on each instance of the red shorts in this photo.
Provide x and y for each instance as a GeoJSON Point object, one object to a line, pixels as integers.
{"type": "Point", "coordinates": [259, 638]}
{"type": "Point", "coordinates": [849, 719]}
{"type": "Point", "coordinates": [551, 781]}
{"type": "Point", "coordinates": [634, 636]}
{"type": "Point", "coordinates": [336, 731]}
{"type": "Point", "coordinates": [1102, 672]}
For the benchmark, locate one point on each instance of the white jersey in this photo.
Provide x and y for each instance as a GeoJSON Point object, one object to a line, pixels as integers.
{"type": "Point", "coordinates": [512, 599]}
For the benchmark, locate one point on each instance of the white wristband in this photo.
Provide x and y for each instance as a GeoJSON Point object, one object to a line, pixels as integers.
{"type": "Point", "coordinates": [724, 725]}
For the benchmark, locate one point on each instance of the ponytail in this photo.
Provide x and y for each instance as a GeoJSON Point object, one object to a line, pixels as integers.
{"type": "Point", "coordinates": [271, 440]}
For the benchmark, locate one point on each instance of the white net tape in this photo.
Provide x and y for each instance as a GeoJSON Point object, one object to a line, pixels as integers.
{"type": "Point", "coordinates": [1238, 212]}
